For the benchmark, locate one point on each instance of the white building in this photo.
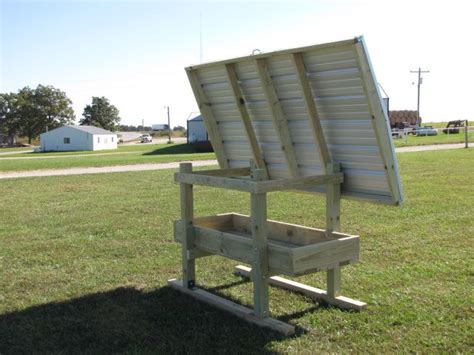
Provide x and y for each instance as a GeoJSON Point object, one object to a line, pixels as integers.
{"type": "Point", "coordinates": [69, 138]}
{"type": "Point", "coordinates": [196, 130]}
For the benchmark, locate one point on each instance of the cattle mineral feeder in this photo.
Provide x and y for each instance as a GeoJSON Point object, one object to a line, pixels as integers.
{"type": "Point", "coordinates": [308, 119]}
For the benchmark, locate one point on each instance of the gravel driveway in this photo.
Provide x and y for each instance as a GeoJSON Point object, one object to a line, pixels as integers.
{"type": "Point", "coordinates": [173, 165]}
{"type": "Point", "coordinates": [105, 169]}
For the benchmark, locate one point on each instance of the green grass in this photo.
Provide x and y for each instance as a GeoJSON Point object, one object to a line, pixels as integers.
{"type": "Point", "coordinates": [84, 262]}
{"type": "Point", "coordinates": [132, 155]}
{"type": "Point", "coordinates": [441, 138]}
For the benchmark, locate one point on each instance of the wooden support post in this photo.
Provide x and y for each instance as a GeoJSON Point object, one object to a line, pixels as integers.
{"type": "Point", "coordinates": [209, 120]}
{"type": "Point", "coordinates": [333, 224]}
{"type": "Point", "coordinates": [189, 264]}
{"type": "Point", "coordinates": [314, 120]}
{"type": "Point", "coordinates": [278, 116]}
{"type": "Point", "coordinates": [259, 247]}
{"type": "Point", "coordinates": [245, 117]}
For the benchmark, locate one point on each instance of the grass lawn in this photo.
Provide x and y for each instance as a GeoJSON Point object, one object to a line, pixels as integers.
{"type": "Point", "coordinates": [133, 154]}
{"type": "Point", "coordinates": [85, 260]}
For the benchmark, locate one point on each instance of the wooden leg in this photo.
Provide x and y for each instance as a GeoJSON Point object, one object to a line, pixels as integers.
{"type": "Point", "coordinates": [333, 224]}
{"type": "Point", "coordinates": [334, 282]}
{"type": "Point", "coordinates": [260, 250]}
{"type": "Point", "coordinates": [189, 264]}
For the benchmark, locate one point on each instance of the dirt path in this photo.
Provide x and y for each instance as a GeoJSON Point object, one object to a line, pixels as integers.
{"type": "Point", "coordinates": [16, 152]}
{"type": "Point", "coordinates": [71, 155]}
{"type": "Point", "coordinates": [422, 148]}
{"type": "Point", "coordinates": [105, 169]}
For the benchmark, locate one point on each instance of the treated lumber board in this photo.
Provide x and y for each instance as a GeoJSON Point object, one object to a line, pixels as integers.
{"type": "Point", "coordinates": [260, 269]}
{"type": "Point", "coordinates": [326, 255]}
{"type": "Point", "coordinates": [209, 120]}
{"type": "Point", "coordinates": [315, 122]}
{"type": "Point", "coordinates": [239, 247]}
{"type": "Point", "coordinates": [298, 182]}
{"type": "Point", "coordinates": [321, 48]}
{"type": "Point", "coordinates": [288, 232]}
{"type": "Point", "coordinates": [248, 185]}
{"type": "Point", "coordinates": [333, 224]}
{"type": "Point", "coordinates": [245, 117]}
{"type": "Point", "coordinates": [278, 116]}
{"type": "Point", "coordinates": [379, 122]}
{"type": "Point", "coordinates": [187, 244]}
{"type": "Point", "coordinates": [313, 292]}
{"type": "Point", "coordinates": [225, 172]}
{"type": "Point", "coordinates": [234, 308]}
{"type": "Point", "coordinates": [216, 181]}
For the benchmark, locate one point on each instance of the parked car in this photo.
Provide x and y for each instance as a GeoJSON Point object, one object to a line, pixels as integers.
{"type": "Point", "coordinates": [426, 131]}
{"type": "Point", "coordinates": [146, 138]}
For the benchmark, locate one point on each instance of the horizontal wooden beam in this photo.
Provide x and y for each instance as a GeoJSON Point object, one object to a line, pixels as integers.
{"type": "Point", "coordinates": [224, 172]}
{"type": "Point", "coordinates": [234, 308]}
{"type": "Point", "coordinates": [245, 185]}
{"type": "Point", "coordinates": [321, 48]}
{"type": "Point", "coordinates": [216, 181]}
{"type": "Point", "coordinates": [298, 183]}
{"type": "Point", "coordinates": [313, 292]}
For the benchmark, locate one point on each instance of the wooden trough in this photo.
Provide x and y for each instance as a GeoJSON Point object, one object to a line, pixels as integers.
{"type": "Point", "coordinates": [293, 250]}
{"type": "Point", "coordinates": [308, 119]}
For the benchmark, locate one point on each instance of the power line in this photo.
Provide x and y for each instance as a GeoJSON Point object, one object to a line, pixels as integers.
{"type": "Point", "coordinates": [420, 81]}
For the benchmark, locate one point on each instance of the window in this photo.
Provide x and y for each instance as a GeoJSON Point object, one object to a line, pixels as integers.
{"type": "Point", "coordinates": [98, 139]}
{"type": "Point", "coordinates": [112, 139]}
{"type": "Point", "coordinates": [67, 140]}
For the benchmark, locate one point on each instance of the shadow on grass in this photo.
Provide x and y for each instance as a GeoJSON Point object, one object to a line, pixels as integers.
{"type": "Point", "coordinates": [129, 320]}
{"type": "Point", "coordinates": [173, 149]}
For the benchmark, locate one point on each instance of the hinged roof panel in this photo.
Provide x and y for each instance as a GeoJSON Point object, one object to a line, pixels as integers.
{"type": "Point", "coordinates": [297, 110]}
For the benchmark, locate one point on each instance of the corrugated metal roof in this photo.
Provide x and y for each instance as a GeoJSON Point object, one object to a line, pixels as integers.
{"type": "Point", "coordinates": [197, 118]}
{"type": "Point", "coordinates": [268, 91]}
{"type": "Point", "coordinates": [91, 129]}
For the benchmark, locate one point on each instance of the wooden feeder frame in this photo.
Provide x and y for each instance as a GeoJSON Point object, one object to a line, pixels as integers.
{"type": "Point", "coordinates": [297, 255]}
{"type": "Point", "coordinates": [226, 100]}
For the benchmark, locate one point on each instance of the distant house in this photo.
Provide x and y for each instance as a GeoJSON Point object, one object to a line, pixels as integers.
{"type": "Point", "coordinates": [159, 127]}
{"type": "Point", "coordinates": [69, 138]}
{"type": "Point", "coordinates": [196, 130]}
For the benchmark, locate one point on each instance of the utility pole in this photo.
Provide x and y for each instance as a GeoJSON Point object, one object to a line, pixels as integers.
{"type": "Point", "coordinates": [169, 125]}
{"type": "Point", "coordinates": [420, 81]}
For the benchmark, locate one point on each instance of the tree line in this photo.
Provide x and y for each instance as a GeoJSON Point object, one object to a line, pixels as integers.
{"type": "Point", "coordinates": [30, 112]}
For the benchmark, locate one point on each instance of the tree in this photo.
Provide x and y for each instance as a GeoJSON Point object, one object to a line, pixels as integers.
{"type": "Point", "coordinates": [101, 114]}
{"type": "Point", "coordinates": [179, 128]}
{"type": "Point", "coordinates": [42, 108]}
{"type": "Point", "coordinates": [9, 121]}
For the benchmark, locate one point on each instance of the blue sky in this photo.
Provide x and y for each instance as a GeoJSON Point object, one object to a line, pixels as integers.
{"type": "Point", "coordinates": [134, 52]}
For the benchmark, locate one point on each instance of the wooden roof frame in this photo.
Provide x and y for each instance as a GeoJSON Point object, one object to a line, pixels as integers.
{"type": "Point", "coordinates": [379, 120]}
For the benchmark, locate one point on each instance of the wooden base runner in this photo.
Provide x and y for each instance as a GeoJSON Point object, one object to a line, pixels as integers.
{"type": "Point", "coordinates": [234, 308]}
{"type": "Point", "coordinates": [313, 292]}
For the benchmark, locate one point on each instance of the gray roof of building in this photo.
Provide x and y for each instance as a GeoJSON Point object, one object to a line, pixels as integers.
{"type": "Point", "coordinates": [197, 118]}
{"type": "Point", "coordinates": [91, 129]}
